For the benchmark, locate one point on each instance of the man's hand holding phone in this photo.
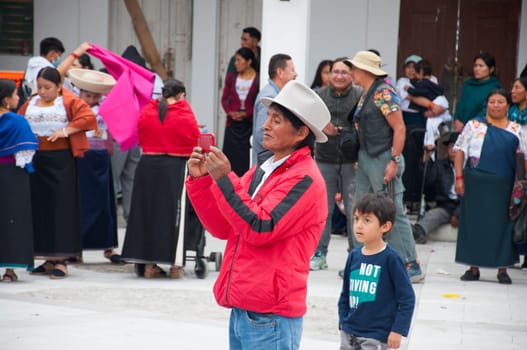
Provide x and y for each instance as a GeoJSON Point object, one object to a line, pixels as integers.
{"type": "Point", "coordinates": [205, 141]}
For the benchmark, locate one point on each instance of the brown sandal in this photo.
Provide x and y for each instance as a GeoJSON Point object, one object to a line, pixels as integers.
{"type": "Point", "coordinates": [177, 272]}
{"type": "Point", "coordinates": [10, 276]}
{"type": "Point", "coordinates": [154, 272]}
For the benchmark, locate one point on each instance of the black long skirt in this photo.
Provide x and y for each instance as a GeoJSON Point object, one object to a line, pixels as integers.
{"type": "Point", "coordinates": [153, 226]}
{"type": "Point", "coordinates": [237, 146]}
{"type": "Point", "coordinates": [97, 200]}
{"type": "Point", "coordinates": [55, 205]}
{"type": "Point", "coordinates": [16, 229]}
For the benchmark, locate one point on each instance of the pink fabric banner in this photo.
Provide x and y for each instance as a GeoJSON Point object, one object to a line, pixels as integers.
{"type": "Point", "coordinates": [120, 110]}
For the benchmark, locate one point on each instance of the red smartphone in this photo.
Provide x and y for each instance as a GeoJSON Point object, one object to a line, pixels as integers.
{"type": "Point", "coordinates": [206, 140]}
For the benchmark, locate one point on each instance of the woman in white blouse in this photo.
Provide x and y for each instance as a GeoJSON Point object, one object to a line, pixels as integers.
{"type": "Point", "coordinates": [485, 168]}
{"type": "Point", "coordinates": [59, 119]}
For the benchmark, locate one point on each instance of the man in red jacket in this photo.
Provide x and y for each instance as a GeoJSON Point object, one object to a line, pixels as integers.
{"type": "Point", "coordinates": [272, 218]}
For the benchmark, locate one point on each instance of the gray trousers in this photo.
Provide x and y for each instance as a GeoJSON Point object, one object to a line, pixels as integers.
{"type": "Point", "coordinates": [433, 219]}
{"type": "Point", "coordinates": [123, 168]}
{"type": "Point", "coordinates": [338, 178]}
{"type": "Point", "coordinates": [359, 343]}
{"type": "Point", "coordinates": [370, 178]}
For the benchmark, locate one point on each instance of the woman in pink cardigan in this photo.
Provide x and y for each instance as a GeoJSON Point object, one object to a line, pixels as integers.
{"type": "Point", "coordinates": [239, 93]}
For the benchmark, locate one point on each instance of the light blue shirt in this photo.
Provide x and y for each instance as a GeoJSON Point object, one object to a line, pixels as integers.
{"type": "Point", "coordinates": [259, 117]}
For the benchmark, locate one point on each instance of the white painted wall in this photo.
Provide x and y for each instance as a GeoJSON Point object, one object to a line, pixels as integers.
{"type": "Point", "coordinates": [203, 92]}
{"type": "Point", "coordinates": [342, 27]}
{"type": "Point", "coordinates": [285, 25]}
{"type": "Point", "coordinates": [522, 39]}
{"type": "Point", "coordinates": [71, 21]}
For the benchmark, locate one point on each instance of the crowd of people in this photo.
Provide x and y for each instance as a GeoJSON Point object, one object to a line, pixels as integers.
{"type": "Point", "coordinates": [61, 171]}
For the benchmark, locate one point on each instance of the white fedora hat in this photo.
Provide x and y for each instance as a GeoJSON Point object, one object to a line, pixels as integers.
{"type": "Point", "coordinates": [91, 80]}
{"type": "Point", "coordinates": [368, 61]}
{"type": "Point", "coordinates": [305, 104]}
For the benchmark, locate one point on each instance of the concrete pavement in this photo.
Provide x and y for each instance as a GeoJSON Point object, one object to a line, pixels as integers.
{"type": "Point", "coordinates": [103, 306]}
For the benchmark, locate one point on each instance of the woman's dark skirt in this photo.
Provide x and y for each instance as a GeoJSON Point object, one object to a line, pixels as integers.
{"type": "Point", "coordinates": [16, 229]}
{"type": "Point", "coordinates": [237, 146]}
{"type": "Point", "coordinates": [485, 230]}
{"type": "Point", "coordinates": [55, 205]}
{"type": "Point", "coordinates": [97, 200]}
{"type": "Point", "coordinates": [153, 226]}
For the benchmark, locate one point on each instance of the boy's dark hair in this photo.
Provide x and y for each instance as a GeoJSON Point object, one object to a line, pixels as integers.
{"type": "Point", "coordinates": [48, 44]}
{"type": "Point", "coordinates": [377, 204]}
{"type": "Point", "coordinates": [253, 32]}
{"type": "Point", "coordinates": [277, 61]}
{"type": "Point", "coordinates": [424, 66]}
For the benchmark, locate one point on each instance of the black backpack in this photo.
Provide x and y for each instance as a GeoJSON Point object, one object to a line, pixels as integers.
{"type": "Point", "coordinates": [24, 92]}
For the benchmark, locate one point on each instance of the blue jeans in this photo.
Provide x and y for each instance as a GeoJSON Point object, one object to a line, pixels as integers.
{"type": "Point", "coordinates": [254, 331]}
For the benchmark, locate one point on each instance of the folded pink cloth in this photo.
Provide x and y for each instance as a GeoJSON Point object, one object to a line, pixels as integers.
{"type": "Point", "coordinates": [121, 108]}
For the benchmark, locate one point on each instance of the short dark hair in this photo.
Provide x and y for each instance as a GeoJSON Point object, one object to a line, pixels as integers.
{"type": "Point", "coordinates": [425, 66]}
{"type": "Point", "coordinates": [277, 61]}
{"type": "Point", "coordinates": [297, 124]}
{"type": "Point", "coordinates": [49, 44]}
{"type": "Point", "coordinates": [253, 32]}
{"type": "Point", "coordinates": [51, 74]}
{"type": "Point", "coordinates": [377, 204]}
{"type": "Point", "coordinates": [344, 60]}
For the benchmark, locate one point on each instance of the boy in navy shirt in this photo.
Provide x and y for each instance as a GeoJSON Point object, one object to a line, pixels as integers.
{"type": "Point", "coordinates": [377, 299]}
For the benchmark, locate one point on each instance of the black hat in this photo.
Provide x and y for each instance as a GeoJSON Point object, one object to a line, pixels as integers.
{"type": "Point", "coordinates": [131, 54]}
{"type": "Point", "coordinates": [452, 137]}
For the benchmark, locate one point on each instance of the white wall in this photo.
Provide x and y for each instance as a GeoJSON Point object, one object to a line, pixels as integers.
{"type": "Point", "coordinates": [522, 39]}
{"type": "Point", "coordinates": [203, 87]}
{"type": "Point", "coordinates": [342, 27]}
{"type": "Point", "coordinates": [285, 28]}
{"type": "Point", "coordinates": [71, 21]}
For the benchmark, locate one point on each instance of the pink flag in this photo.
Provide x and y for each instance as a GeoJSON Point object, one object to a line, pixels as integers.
{"type": "Point", "coordinates": [122, 107]}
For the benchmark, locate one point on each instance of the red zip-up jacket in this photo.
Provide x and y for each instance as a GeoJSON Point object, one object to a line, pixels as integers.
{"type": "Point", "coordinates": [270, 239]}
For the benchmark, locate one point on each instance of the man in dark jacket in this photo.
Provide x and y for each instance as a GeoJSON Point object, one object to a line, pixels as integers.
{"type": "Point", "coordinates": [441, 178]}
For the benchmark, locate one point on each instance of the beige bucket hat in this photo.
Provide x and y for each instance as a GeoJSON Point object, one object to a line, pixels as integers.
{"type": "Point", "coordinates": [369, 62]}
{"type": "Point", "coordinates": [91, 80]}
{"type": "Point", "coordinates": [305, 104]}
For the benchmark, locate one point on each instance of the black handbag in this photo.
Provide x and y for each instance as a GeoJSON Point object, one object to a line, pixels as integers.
{"type": "Point", "coordinates": [519, 230]}
{"type": "Point", "coordinates": [349, 143]}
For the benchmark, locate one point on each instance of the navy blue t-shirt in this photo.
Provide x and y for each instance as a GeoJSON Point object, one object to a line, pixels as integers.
{"type": "Point", "coordinates": [377, 296]}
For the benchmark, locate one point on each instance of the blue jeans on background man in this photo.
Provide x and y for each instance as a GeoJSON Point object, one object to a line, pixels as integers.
{"type": "Point", "coordinates": [254, 331]}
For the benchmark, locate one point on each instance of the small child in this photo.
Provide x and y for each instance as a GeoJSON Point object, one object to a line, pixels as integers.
{"type": "Point", "coordinates": [377, 299]}
{"type": "Point", "coordinates": [425, 87]}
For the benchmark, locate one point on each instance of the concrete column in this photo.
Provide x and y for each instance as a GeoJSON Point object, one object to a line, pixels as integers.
{"type": "Point", "coordinates": [285, 30]}
{"type": "Point", "coordinates": [204, 84]}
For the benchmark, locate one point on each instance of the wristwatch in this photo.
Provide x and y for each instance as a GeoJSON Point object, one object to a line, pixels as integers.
{"type": "Point", "coordinates": [396, 159]}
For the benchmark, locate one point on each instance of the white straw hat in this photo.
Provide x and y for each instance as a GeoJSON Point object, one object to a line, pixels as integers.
{"type": "Point", "coordinates": [369, 62]}
{"type": "Point", "coordinates": [91, 80]}
{"type": "Point", "coordinates": [305, 104]}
